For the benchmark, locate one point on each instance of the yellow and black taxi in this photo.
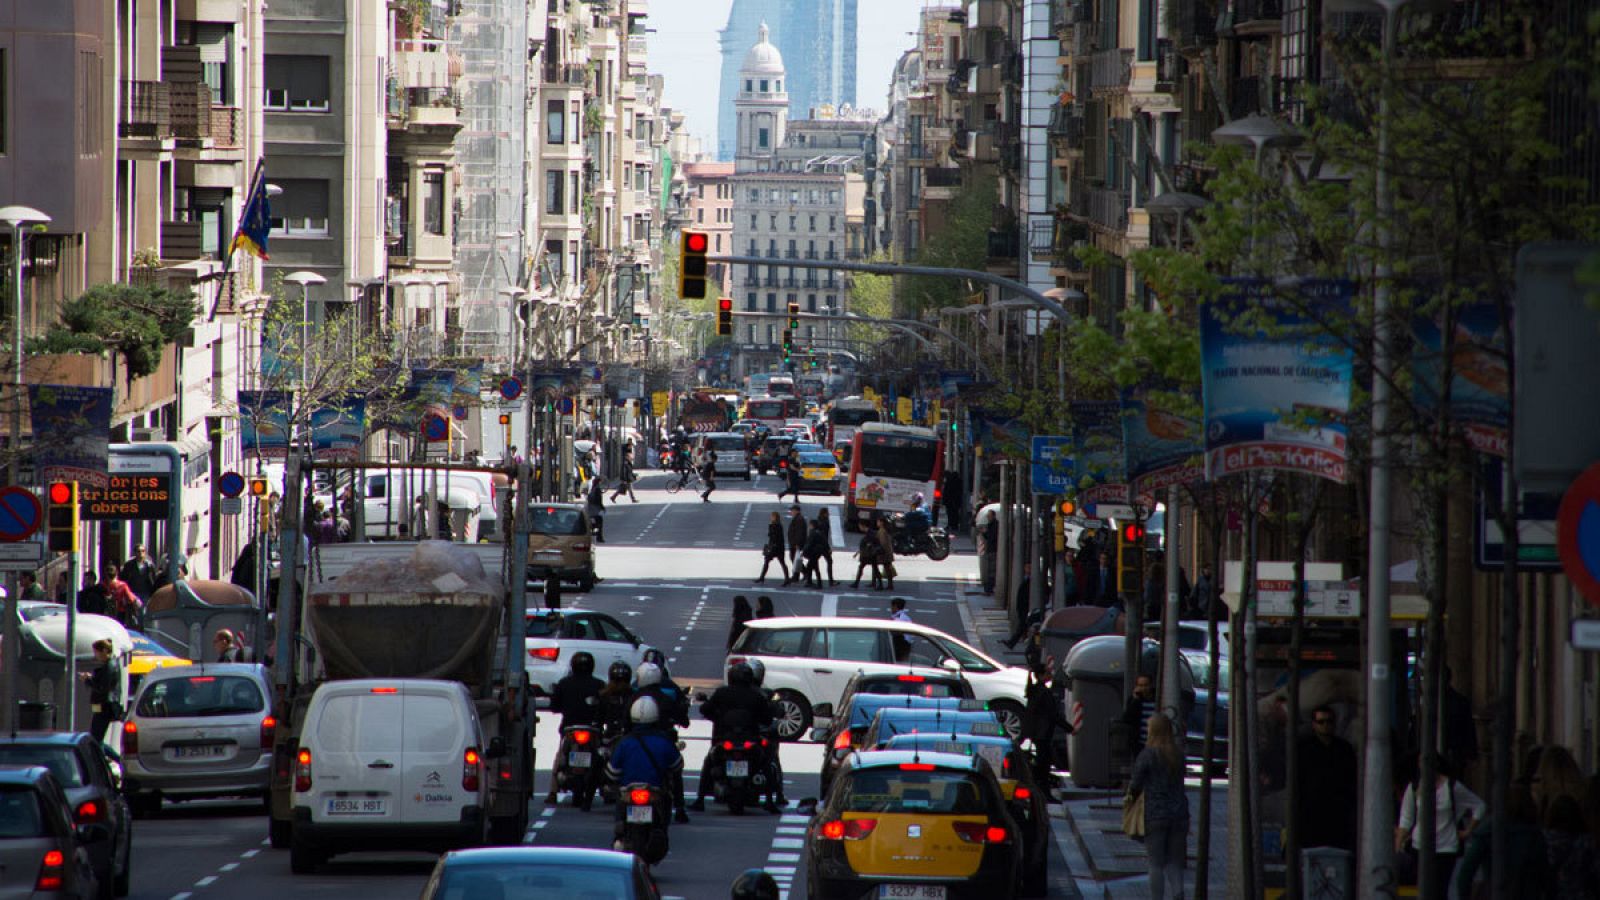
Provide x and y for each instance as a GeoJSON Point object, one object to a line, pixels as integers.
{"type": "Point", "coordinates": [819, 471]}
{"type": "Point", "coordinates": [846, 730]}
{"type": "Point", "coordinates": [1014, 770]}
{"type": "Point", "coordinates": [921, 826]}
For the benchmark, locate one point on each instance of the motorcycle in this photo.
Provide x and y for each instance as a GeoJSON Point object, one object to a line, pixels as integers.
{"type": "Point", "coordinates": [642, 829]}
{"type": "Point", "coordinates": [580, 769]}
{"type": "Point", "coordinates": [739, 771]}
{"type": "Point", "coordinates": [935, 542]}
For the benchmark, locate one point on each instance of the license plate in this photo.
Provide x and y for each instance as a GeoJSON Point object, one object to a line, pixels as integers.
{"type": "Point", "coordinates": [579, 759]}
{"type": "Point", "coordinates": [358, 806]}
{"type": "Point", "coordinates": [641, 815]}
{"type": "Point", "coordinates": [547, 556]}
{"type": "Point", "coordinates": [738, 768]}
{"type": "Point", "coordinates": [198, 751]}
{"type": "Point", "coordinates": [913, 891]}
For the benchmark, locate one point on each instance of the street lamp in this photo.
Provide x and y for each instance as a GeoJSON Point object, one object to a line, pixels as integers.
{"type": "Point", "coordinates": [1258, 132]}
{"type": "Point", "coordinates": [305, 280]}
{"type": "Point", "coordinates": [18, 217]}
{"type": "Point", "coordinates": [1176, 205]}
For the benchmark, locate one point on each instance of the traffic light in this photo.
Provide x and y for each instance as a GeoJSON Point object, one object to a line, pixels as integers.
{"type": "Point", "coordinates": [1130, 554]}
{"type": "Point", "coordinates": [62, 519]}
{"type": "Point", "coordinates": [505, 419]}
{"type": "Point", "coordinates": [1065, 507]}
{"type": "Point", "coordinates": [724, 317]}
{"type": "Point", "coordinates": [692, 266]}
{"type": "Point", "coordinates": [788, 344]}
{"type": "Point", "coordinates": [794, 317]}
{"type": "Point", "coordinates": [258, 487]}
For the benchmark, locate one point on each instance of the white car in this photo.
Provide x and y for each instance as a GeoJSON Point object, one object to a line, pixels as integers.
{"type": "Point", "coordinates": [551, 638]}
{"type": "Point", "coordinates": [809, 659]}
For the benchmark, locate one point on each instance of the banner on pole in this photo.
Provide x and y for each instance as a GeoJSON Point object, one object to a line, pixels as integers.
{"type": "Point", "coordinates": [71, 433]}
{"type": "Point", "coordinates": [264, 424]}
{"type": "Point", "coordinates": [1160, 447]}
{"type": "Point", "coordinates": [338, 431]}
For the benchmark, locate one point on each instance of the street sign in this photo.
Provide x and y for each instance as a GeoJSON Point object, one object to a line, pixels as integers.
{"type": "Point", "coordinates": [231, 506]}
{"type": "Point", "coordinates": [1052, 464]}
{"type": "Point", "coordinates": [231, 484]}
{"type": "Point", "coordinates": [435, 427]}
{"type": "Point", "coordinates": [145, 497]}
{"type": "Point", "coordinates": [1578, 533]}
{"type": "Point", "coordinates": [1536, 526]}
{"type": "Point", "coordinates": [20, 513]}
{"type": "Point", "coordinates": [21, 557]}
{"type": "Point", "coordinates": [460, 412]}
{"type": "Point", "coordinates": [1586, 634]}
{"type": "Point", "coordinates": [511, 388]}
{"type": "Point", "coordinates": [564, 406]}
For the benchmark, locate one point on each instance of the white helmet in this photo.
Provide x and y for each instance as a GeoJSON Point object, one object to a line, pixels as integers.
{"type": "Point", "coordinates": [647, 674]}
{"type": "Point", "coordinates": [645, 711]}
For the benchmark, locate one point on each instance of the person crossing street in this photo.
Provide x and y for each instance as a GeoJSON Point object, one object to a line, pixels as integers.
{"type": "Point", "coordinates": [773, 549]}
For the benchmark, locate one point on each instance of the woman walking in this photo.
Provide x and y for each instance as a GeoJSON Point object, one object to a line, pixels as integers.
{"type": "Point", "coordinates": [741, 615]}
{"type": "Point", "coordinates": [867, 556]}
{"type": "Point", "coordinates": [595, 506]}
{"type": "Point", "coordinates": [816, 545]}
{"type": "Point", "coordinates": [773, 549]}
{"type": "Point", "coordinates": [824, 525]}
{"type": "Point", "coordinates": [764, 608]}
{"type": "Point", "coordinates": [885, 554]}
{"type": "Point", "coordinates": [1158, 776]}
{"type": "Point", "coordinates": [1456, 811]}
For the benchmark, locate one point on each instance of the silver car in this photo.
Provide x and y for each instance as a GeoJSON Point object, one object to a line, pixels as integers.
{"type": "Point", "coordinates": [198, 731]}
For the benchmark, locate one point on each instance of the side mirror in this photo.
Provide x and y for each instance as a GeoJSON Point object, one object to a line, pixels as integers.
{"type": "Point", "coordinates": [93, 833]}
{"type": "Point", "coordinates": [949, 663]}
{"type": "Point", "coordinates": [701, 696]}
{"type": "Point", "coordinates": [824, 709]}
{"type": "Point", "coordinates": [497, 747]}
{"type": "Point", "coordinates": [819, 734]}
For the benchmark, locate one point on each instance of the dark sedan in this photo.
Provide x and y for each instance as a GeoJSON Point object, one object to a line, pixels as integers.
{"type": "Point", "coordinates": [78, 763]}
{"type": "Point", "coordinates": [549, 873]}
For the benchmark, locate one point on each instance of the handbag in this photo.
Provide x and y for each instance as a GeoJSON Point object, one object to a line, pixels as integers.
{"type": "Point", "coordinates": [1133, 814]}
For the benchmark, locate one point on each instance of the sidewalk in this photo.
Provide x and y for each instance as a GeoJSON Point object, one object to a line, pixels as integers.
{"type": "Point", "coordinates": [1103, 862]}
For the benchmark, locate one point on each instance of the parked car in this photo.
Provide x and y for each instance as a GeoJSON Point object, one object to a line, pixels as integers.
{"type": "Point", "coordinates": [517, 872]}
{"type": "Point", "coordinates": [810, 659]}
{"type": "Point", "coordinates": [42, 852]}
{"type": "Point", "coordinates": [198, 731]}
{"type": "Point", "coordinates": [551, 638]}
{"type": "Point", "coordinates": [78, 763]}
{"type": "Point", "coordinates": [561, 544]}
{"type": "Point", "coordinates": [391, 496]}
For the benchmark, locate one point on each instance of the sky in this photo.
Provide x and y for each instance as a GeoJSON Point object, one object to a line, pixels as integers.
{"type": "Point", "coordinates": [683, 49]}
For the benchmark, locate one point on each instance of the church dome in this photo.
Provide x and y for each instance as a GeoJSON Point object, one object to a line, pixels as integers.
{"type": "Point", "coordinates": [763, 58]}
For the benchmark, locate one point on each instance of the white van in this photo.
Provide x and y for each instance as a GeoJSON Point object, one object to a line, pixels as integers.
{"type": "Point", "coordinates": [732, 453]}
{"type": "Point", "coordinates": [391, 495]}
{"type": "Point", "coordinates": [388, 764]}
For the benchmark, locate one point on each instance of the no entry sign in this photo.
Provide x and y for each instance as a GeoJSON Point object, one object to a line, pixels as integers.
{"type": "Point", "coordinates": [1578, 533]}
{"type": "Point", "coordinates": [20, 513]}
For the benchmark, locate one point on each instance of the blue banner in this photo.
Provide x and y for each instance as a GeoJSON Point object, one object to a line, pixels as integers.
{"type": "Point", "coordinates": [468, 385]}
{"type": "Point", "coordinates": [1001, 436]}
{"type": "Point", "coordinates": [1097, 440]}
{"type": "Point", "coordinates": [1275, 378]}
{"type": "Point", "coordinates": [264, 424]}
{"type": "Point", "coordinates": [1053, 466]}
{"type": "Point", "coordinates": [1161, 448]}
{"type": "Point", "coordinates": [337, 431]}
{"type": "Point", "coordinates": [71, 433]}
{"type": "Point", "coordinates": [1479, 398]}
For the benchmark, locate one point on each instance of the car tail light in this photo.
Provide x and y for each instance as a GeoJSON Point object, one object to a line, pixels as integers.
{"type": "Point", "coordinates": [548, 654]}
{"type": "Point", "coordinates": [727, 745]}
{"type": "Point", "coordinates": [581, 548]}
{"type": "Point", "coordinates": [1022, 793]}
{"type": "Point", "coordinates": [916, 678]}
{"type": "Point", "coordinates": [981, 833]}
{"type": "Point", "coordinates": [470, 766]}
{"type": "Point", "coordinates": [52, 871]}
{"type": "Point", "coordinates": [582, 738]}
{"type": "Point", "coordinates": [639, 796]}
{"type": "Point", "coordinates": [89, 811]}
{"type": "Point", "coordinates": [848, 829]}
{"type": "Point", "coordinates": [302, 771]}
{"type": "Point", "coordinates": [937, 493]}
{"type": "Point", "coordinates": [202, 679]}
{"type": "Point", "coordinates": [735, 660]}
{"type": "Point", "coordinates": [269, 727]}
{"type": "Point", "coordinates": [130, 739]}
{"type": "Point", "coordinates": [384, 690]}
{"type": "Point", "coordinates": [843, 740]}
{"type": "Point", "coordinates": [916, 767]}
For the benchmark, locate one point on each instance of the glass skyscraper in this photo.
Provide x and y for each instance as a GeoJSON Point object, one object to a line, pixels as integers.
{"type": "Point", "coordinates": [818, 41]}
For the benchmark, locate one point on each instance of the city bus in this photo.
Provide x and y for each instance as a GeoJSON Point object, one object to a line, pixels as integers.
{"type": "Point", "coordinates": [845, 415]}
{"type": "Point", "coordinates": [773, 411]}
{"type": "Point", "coordinates": [888, 465]}
{"type": "Point", "coordinates": [780, 385]}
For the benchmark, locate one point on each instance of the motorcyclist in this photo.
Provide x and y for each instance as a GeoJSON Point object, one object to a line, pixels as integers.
{"type": "Point", "coordinates": [614, 699]}
{"type": "Point", "coordinates": [754, 884]}
{"type": "Point", "coordinates": [774, 766]}
{"type": "Point", "coordinates": [645, 755]}
{"type": "Point", "coordinates": [736, 706]}
{"type": "Point", "coordinates": [576, 698]}
{"type": "Point", "coordinates": [680, 451]}
{"type": "Point", "coordinates": [917, 520]}
{"type": "Point", "coordinates": [673, 705]}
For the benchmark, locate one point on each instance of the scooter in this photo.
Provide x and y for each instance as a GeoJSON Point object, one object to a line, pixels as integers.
{"type": "Point", "coordinates": [642, 822]}
{"type": "Point", "coordinates": [739, 771]}
{"type": "Point", "coordinates": [580, 765]}
{"type": "Point", "coordinates": [935, 542]}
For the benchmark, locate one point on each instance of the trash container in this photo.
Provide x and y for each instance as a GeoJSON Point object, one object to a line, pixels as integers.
{"type": "Point", "coordinates": [1094, 680]}
{"type": "Point", "coordinates": [1325, 873]}
{"type": "Point", "coordinates": [33, 715]}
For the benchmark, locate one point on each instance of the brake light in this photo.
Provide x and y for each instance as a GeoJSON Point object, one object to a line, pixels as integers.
{"type": "Point", "coordinates": [980, 833]}
{"type": "Point", "coordinates": [269, 726]}
{"type": "Point", "coordinates": [548, 654]}
{"type": "Point", "coordinates": [581, 548]}
{"type": "Point", "coordinates": [848, 829]}
{"type": "Point", "coordinates": [916, 767]}
{"type": "Point", "coordinates": [89, 811]}
{"type": "Point", "coordinates": [727, 745]}
{"type": "Point", "coordinates": [842, 741]}
{"type": "Point", "coordinates": [582, 737]}
{"type": "Point", "coordinates": [385, 690]}
{"type": "Point", "coordinates": [130, 738]}
{"type": "Point", "coordinates": [937, 493]}
{"type": "Point", "coordinates": [1022, 793]}
{"type": "Point", "coordinates": [202, 679]}
{"type": "Point", "coordinates": [52, 871]}
{"type": "Point", "coordinates": [469, 769]}
{"type": "Point", "coordinates": [302, 771]}
{"type": "Point", "coordinates": [639, 796]}
{"type": "Point", "coordinates": [916, 678]}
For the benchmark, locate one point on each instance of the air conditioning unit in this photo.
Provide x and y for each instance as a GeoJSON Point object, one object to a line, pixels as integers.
{"type": "Point", "coordinates": [148, 434]}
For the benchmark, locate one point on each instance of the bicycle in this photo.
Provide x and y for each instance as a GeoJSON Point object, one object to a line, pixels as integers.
{"type": "Point", "coordinates": [687, 478]}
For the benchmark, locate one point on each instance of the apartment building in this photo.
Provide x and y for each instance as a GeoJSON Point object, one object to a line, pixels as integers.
{"type": "Point", "coordinates": [710, 209]}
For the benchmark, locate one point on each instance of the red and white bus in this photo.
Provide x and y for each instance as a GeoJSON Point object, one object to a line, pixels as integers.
{"type": "Point", "coordinates": [845, 415]}
{"type": "Point", "coordinates": [888, 465]}
{"type": "Point", "coordinates": [773, 411]}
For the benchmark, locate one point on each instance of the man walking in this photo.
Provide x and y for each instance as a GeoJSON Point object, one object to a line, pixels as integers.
{"type": "Point", "coordinates": [1140, 707]}
{"type": "Point", "coordinates": [797, 539]}
{"type": "Point", "coordinates": [824, 525]}
{"type": "Point", "coordinates": [140, 573]}
{"type": "Point", "coordinates": [1328, 779]}
{"type": "Point", "coordinates": [625, 483]}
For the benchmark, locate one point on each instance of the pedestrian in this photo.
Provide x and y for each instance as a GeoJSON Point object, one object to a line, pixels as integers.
{"type": "Point", "coordinates": [241, 647]}
{"type": "Point", "coordinates": [824, 525]}
{"type": "Point", "coordinates": [92, 597]}
{"type": "Point", "coordinates": [764, 608]}
{"type": "Point", "coordinates": [885, 554]}
{"type": "Point", "coordinates": [63, 591]}
{"type": "Point", "coordinates": [955, 487]}
{"type": "Point", "coordinates": [797, 538]}
{"type": "Point", "coordinates": [987, 525]}
{"type": "Point", "coordinates": [1158, 778]}
{"type": "Point", "coordinates": [867, 556]}
{"type": "Point", "coordinates": [1557, 775]}
{"type": "Point", "coordinates": [1021, 602]}
{"type": "Point", "coordinates": [897, 610]}
{"type": "Point", "coordinates": [791, 481]}
{"type": "Point", "coordinates": [105, 689]}
{"type": "Point", "coordinates": [773, 549]}
{"type": "Point", "coordinates": [741, 616]}
{"type": "Point", "coordinates": [1041, 718]}
{"type": "Point", "coordinates": [120, 600]}
{"type": "Point", "coordinates": [816, 545]}
{"type": "Point", "coordinates": [1328, 779]}
{"type": "Point", "coordinates": [1103, 584]}
{"type": "Point", "coordinates": [419, 519]}
{"type": "Point", "coordinates": [222, 645]}
{"type": "Point", "coordinates": [552, 591]}
{"type": "Point", "coordinates": [595, 505]}
{"type": "Point", "coordinates": [30, 587]}
{"type": "Point", "coordinates": [1564, 829]}
{"type": "Point", "coordinates": [1458, 732]}
{"type": "Point", "coordinates": [1456, 810]}
{"type": "Point", "coordinates": [1528, 862]}
{"type": "Point", "coordinates": [1138, 710]}
{"type": "Point", "coordinates": [1203, 600]}
{"type": "Point", "coordinates": [1579, 875]}
{"type": "Point", "coordinates": [708, 474]}
{"type": "Point", "coordinates": [140, 572]}
{"type": "Point", "coordinates": [628, 476]}
{"type": "Point", "coordinates": [1155, 589]}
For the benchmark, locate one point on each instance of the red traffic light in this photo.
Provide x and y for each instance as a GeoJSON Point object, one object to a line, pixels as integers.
{"type": "Point", "coordinates": [725, 304]}
{"type": "Point", "coordinates": [60, 492]}
{"type": "Point", "coordinates": [1131, 533]}
{"type": "Point", "coordinates": [695, 242]}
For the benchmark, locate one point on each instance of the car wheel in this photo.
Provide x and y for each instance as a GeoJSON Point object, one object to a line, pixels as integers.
{"type": "Point", "coordinates": [278, 833]}
{"type": "Point", "coordinates": [586, 583]}
{"type": "Point", "coordinates": [120, 882]}
{"type": "Point", "coordinates": [793, 715]}
{"type": "Point", "coordinates": [1036, 880]}
{"type": "Point", "coordinates": [1010, 716]}
{"type": "Point", "coordinates": [304, 858]}
{"type": "Point", "coordinates": [143, 806]}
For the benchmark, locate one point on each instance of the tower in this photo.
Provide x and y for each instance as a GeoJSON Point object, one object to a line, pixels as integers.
{"type": "Point", "coordinates": [761, 106]}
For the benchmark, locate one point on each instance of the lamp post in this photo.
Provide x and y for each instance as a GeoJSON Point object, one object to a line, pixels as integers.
{"type": "Point", "coordinates": [305, 280]}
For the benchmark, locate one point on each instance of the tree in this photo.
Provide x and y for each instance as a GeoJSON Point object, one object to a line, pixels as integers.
{"type": "Point", "coordinates": [962, 243]}
{"type": "Point", "coordinates": [136, 322]}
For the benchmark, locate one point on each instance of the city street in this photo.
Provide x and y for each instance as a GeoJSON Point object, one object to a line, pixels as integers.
{"type": "Point", "coordinates": [671, 566]}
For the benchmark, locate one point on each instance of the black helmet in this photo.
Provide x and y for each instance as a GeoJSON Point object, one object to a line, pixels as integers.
{"type": "Point", "coordinates": [583, 663]}
{"type": "Point", "coordinates": [755, 884]}
{"type": "Point", "coordinates": [758, 671]}
{"type": "Point", "coordinates": [620, 671]}
{"type": "Point", "coordinates": [741, 675]}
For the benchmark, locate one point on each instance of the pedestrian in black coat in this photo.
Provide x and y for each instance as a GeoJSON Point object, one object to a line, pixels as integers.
{"type": "Point", "coordinates": [797, 539]}
{"type": "Point", "coordinates": [816, 544]}
{"type": "Point", "coordinates": [823, 524]}
{"type": "Point", "coordinates": [773, 549]}
{"type": "Point", "coordinates": [741, 615]}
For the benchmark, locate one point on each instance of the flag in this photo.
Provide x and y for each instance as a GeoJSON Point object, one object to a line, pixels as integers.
{"type": "Point", "coordinates": [255, 221]}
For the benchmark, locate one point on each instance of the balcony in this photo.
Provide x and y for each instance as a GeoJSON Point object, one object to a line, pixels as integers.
{"type": "Point", "coordinates": [942, 178]}
{"type": "Point", "coordinates": [227, 133]}
{"type": "Point", "coordinates": [791, 253]}
{"type": "Point", "coordinates": [1109, 70]}
{"type": "Point", "coordinates": [984, 80]}
{"type": "Point", "coordinates": [190, 106]}
{"type": "Point", "coordinates": [810, 254]}
{"type": "Point", "coordinates": [181, 240]}
{"type": "Point", "coordinates": [1107, 208]}
{"type": "Point", "coordinates": [1003, 243]}
{"type": "Point", "coordinates": [1068, 13]}
{"type": "Point", "coordinates": [1192, 24]}
{"type": "Point", "coordinates": [569, 75]}
{"type": "Point", "coordinates": [1067, 123]}
{"type": "Point", "coordinates": [1266, 12]}
{"type": "Point", "coordinates": [146, 110]}
{"type": "Point", "coordinates": [986, 14]}
{"type": "Point", "coordinates": [830, 254]}
{"type": "Point", "coordinates": [422, 63]}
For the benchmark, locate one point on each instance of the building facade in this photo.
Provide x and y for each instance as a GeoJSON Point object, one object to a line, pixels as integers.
{"type": "Point", "coordinates": [817, 37]}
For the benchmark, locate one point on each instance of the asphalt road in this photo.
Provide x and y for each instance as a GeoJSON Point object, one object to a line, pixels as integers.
{"type": "Point", "coordinates": [670, 568]}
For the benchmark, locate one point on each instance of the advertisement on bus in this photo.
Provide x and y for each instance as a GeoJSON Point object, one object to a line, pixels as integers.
{"type": "Point", "coordinates": [889, 465]}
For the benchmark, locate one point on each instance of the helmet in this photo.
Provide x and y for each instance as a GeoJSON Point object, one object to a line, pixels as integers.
{"type": "Point", "coordinates": [582, 663]}
{"type": "Point", "coordinates": [644, 711]}
{"type": "Point", "coordinates": [648, 674]}
{"type": "Point", "coordinates": [620, 671]}
{"type": "Point", "coordinates": [759, 670]}
{"type": "Point", "coordinates": [655, 656]}
{"type": "Point", "coordinates": [740, 674]}
{"type": "Point", "coordinates": [755, 884]}
{"type": "Point", "coordinates": [917, 498]}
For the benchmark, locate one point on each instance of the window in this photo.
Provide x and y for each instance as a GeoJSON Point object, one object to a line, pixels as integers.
{"type": "Point", "coordinates": [297, 84]}
{"type": "Point", "coordinates": [750, 300]}
{"type": "Point", "coordinates": [719, 242]}
{"type": "Point", "coordinates": [851, 645]}
{"type": "Point", "coordinates": [214, 41]}
{"type": "Point", "coordinates": [811, 332]}
{"type": "Point", "coordinates": [792, 220]}
{"type": "Point", "coordinates": [772, 221]}
{"type": "Point", "coordinates": [612, 630]}
{"type": "Point", "coordinates": [201, 695]}
{"type": "Point", "coordinates": [555, 196]}
{"type": "Point", "coordinates": [778, 85]}
{"type": "Point", "coordinates": [89, 107]}
{"type": "Point", "coordinates": [812, 222]}
{"type": "Point", "coordinates": [552, 255]}
{"type": "Point", "coordinates": [772, 303]}
{"type": "Point", "coordinates": [555, 122]}
{"type": "Point", "coordinates": [302, 209]}
{"type": "Point", "coordinates": [369, 723]}
{"type": "Point", "coordinates": [755, 222]}
{"type": "Point", "coordinates": [751, 334]}
{"type": "Point", "coordinates": [966, 657]}
{"type": "Point", "coordinates": [700, 215]}
{"type": "Point", "coordinates": [764, 83]}
{"type": "Point", "coordinates": [755, 197]}
{"type": "Point", "coordinates": [763, 138]}
{"type": "Point", "coordinates": [811, 303]}
{"type": "Point", "coordinates": [747, 85]}
{"type": "Point", "coordinates": [772, 334]}
{"type": "Point", "coordinates": [433, 202]}
{"type": "Point", "coordinates": [574, 205]}
{"type": "Point", "coordinates": [62, 761]}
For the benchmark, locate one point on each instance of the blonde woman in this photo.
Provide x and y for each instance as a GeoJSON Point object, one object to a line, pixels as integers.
{"type": "Point", "coordinates": [1158, 776]}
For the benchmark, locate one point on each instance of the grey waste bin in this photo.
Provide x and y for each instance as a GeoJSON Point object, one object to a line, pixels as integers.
{"type": "Point", "coordinates": [1325, 872]}
{"type": "Point", "coordinates": [35, 716]}
{"type": "Point", "coordinates": [1094, 679]}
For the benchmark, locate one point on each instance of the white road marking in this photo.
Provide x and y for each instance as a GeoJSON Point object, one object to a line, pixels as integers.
{"type": "Point", "coordinates": [248, 854]}
{"type": "Point", "coordinates": [185, 895]}
{"type": "Point", "coordinates": [228, 867]}
{"type": "Point", "coordinates": [787, 843]}
{"type": "Point", "coordinates": [783, 857]}
{"type": "Point", "coordinates": [793, 819]}
{"type": "Point", "coordinates": [830, 605]}
{"type": "Point", "coordinates": [206, 881]}
{"type": "Point", "coordinates": [791, 829]}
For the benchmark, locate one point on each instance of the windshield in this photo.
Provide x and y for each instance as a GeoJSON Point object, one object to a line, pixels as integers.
{"type": "Point", "coordinates": [200, 695]}
{"type": "Point", "coordinates": [533, 882]}
{"type": "Point", "coordinates": [817, 459]}
{"type": "Point", "coordinates": [895, 790]}
{"type": "Point", "coordinates": [556, 520]}
{"type": "Point", "coordinates": [62, 762]}
{"type": "Point", "coordinates": [896, 456]}
{"type": "Point", "coordinates": [20, 815]}
{"type": "Point", "coordinates": [730, 444]}
{"type": "Point", "coordinates": [765, 409]}
{"type": "Point", "coordinates": [850, 417]}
